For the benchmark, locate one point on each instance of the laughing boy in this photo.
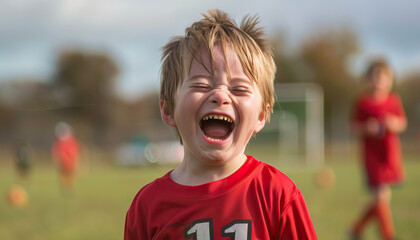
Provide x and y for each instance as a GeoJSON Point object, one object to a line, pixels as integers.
{"type": "Point", "coordinates": [217, 91]}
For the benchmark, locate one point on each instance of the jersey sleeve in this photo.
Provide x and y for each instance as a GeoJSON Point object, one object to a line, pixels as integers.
{"type": "Point", "coordinates": [129, 231]}
{"type": "Point", "coordinates": [131, 223]}
{"type": "Point", "coordinates": [295, 221]}
{"type": "Point", "coordinates": [135, 224]}
{"type": "Point", "coordinates": [399, 110]}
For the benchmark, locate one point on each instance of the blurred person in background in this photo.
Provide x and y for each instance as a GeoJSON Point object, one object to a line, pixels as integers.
{"type": "Point", "coordinates": [378, 118]}
{"type": "Point", "coordinates": [65, 152]}
{"type": "Point", "coordinates": [23, 155]}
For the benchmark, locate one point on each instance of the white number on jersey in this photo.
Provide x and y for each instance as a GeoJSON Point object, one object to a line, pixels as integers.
{"type": "Point", "coordinates": [200, 230]}
{"type": "Point", "coordinates": [238, 230]}
{"type": "Point", "coordinates": [203, 230]}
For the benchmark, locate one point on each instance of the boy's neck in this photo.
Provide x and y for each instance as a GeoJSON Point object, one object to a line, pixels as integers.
{"type": "Point", "coordinates": [194, 172]}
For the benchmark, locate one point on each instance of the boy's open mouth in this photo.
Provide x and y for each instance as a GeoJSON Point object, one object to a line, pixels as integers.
{"type": "Point", "coordinates": [217, 127]}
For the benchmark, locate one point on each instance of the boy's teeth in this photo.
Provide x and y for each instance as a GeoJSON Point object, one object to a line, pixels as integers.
{"type": "Point", "coordinates": [220, 117]}
{"type": "Point", "coordinates": [214, 139]}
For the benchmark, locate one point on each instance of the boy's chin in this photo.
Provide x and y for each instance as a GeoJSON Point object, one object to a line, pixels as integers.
{"type": "Point", "coordinates": [220, 157]}
{"type": "Point", "coordinates": [214, 156]}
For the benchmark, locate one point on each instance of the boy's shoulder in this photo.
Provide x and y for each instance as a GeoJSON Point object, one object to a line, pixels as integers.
{"type": "Point", "coordinates": [394, 96]}
{"type": "Point", "coordinates": [148, 191]}
{"type": "Point", "coordinates": [365, 97]}
{"type": "Point", "coordinates": [270, 172]}
{"type": "Point", "coordinates": [274, 179]}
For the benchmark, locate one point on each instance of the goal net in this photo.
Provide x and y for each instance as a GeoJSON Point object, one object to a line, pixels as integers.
{"type": "Point", "coordinates": [295, 134]}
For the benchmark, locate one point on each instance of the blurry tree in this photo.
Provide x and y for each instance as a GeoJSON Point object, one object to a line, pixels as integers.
{"type": "Point", "coordinates": [409, 89]}
{"type": "Point", "coordinates": [7, 122]}
{"type": "Point", "coordinates": [327, 55]}
{"type": "Point", "coordinates": [283, 59]}
{"type": "Point", "coordinates": [141, 118]}
{"type": "Point", "coordinates": [24, 109]}
{"type": "Point", "coordinates": [25, 94]}
{"type": "Point", "coordinates": [289, 66]}
{"type": "Point", "coordinates": [84, 84]}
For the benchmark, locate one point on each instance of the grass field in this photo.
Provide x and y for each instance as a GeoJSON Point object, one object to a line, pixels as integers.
{"type": "Point", "coordinates": [97, 207]}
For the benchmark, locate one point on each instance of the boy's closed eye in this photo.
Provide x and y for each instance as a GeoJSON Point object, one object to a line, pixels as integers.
{"type": "Point", "coordinates": [201, 86]}
{"type": "Point", "coordinates": [200, 82]}
{"type": "Point", "coordinates": [241, 90]}
{"type": "Point", "coordinates": [237, 90]}
{"type": "Point", "coordinates": [241, 87]}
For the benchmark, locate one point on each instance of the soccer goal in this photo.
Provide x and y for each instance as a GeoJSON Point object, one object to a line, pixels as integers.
{"type": "Point", "coordinates": [295, 134]}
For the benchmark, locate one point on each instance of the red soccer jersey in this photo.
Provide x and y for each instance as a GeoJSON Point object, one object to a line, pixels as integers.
{"type": "Point", "coordinates": [66, 151]}
{"type": "Point", "coordinates": [255, 202]}
{"type": "Point", "coordinates": [382, 153]}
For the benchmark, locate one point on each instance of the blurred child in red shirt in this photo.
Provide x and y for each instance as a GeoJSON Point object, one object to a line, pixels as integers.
{"type": "Point", "coordinates": [378, 118]}
{"type": "Point", "coordinates": [65, 151]}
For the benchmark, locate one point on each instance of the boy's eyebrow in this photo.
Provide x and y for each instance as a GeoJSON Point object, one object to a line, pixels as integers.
{"type": "Point", "coordinates": [240, 79]}
{"type": "Point", "coordinates": [195, 76]}
{"type": "Point", "coordinates": [208, 76]}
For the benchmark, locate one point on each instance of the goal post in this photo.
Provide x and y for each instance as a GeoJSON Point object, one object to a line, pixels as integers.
{"type": "Point", "coordinates": [296, 129]}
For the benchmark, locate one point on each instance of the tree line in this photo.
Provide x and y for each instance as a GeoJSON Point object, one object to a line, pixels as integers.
{"type": "Point", "coordinates": [81, 92]}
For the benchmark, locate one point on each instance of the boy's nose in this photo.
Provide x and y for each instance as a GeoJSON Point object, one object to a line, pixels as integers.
{"type": "Point", "coordinates": [220, 97]}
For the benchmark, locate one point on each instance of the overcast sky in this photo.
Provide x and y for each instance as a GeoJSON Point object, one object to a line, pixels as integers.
{"type": "Point", "coordinates": [132, 31]}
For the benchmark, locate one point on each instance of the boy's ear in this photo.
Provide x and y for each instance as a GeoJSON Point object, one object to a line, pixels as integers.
{"type": "Point", "coordinates": [261, 120]}
{"type": "Point", "coordinates": [166, 114]}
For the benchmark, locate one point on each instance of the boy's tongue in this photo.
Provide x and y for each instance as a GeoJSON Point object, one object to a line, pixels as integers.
{"type": "Point", "coordinates": [215, 129]}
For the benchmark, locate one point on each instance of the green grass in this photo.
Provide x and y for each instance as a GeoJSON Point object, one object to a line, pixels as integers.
{"type": "Point", "coordinates": [97, 207]}
{"type": "Point", "coordinates": [334, 209]}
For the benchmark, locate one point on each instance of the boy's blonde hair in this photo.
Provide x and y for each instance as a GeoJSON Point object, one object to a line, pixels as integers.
{"type": "Point", "coordinates": [379, 66]}
{"type": "Point", "coordinates": [216, 28]}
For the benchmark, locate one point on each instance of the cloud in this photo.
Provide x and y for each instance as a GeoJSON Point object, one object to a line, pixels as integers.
{"type": "Point", "coordinates": [133, 31]}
